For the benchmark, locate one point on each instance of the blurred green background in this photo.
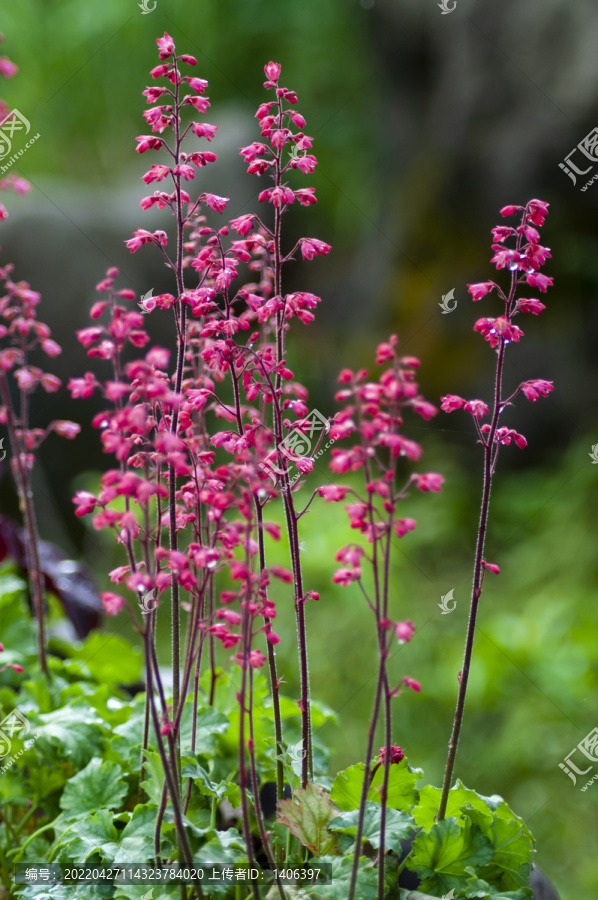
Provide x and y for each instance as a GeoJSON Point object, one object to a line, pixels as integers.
{"type": "Point", "coordinates": [424, 126]}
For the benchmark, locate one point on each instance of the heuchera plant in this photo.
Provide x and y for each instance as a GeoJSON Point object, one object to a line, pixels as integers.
{"type": "Point", "coordinates": [205, 442]}
{"type": "Point", "coordinates": [22, 334]}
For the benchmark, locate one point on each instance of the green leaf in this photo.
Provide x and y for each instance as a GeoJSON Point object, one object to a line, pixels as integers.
{"type": "Point", "coordinates": [399, 825]}
{"type": "Point", "coordinates": [193, 769]}
{"type": "Point", "coordinates": [95, 834]}
{"type": "Point", "coordinates": [137, 838]}
{"type": "Point", "coordinates": [225, 847]}
{"type": "Point", "coordinates": [210, 723]}
{"type": "Point", "coordinates": [110, 659]}
{"type": "Point", "coordinates": [511, 865]}
{"type": "Point", "coordinates": [342, 866]}
{"type": "Point", "coordinates": [99, 785]}
{"type": "Point", "coordinates": [68, 892]}
{"type": "Point", "coordinates": [73, 730]}
{"type": "Point", "coordinates": [402, 793]}
{"type": "Point", "coordinates": [307, 816]}
{"type": "Point", "coordinates": [459, 797]}
{"type": "Point", "coordinates": [478, 889]}
{"type": "Point", "coordinates": [154, 780]}
{"type": "Point", "coordinates": [18, 636]}
{"type": "Point", "coordinates": [440, 856]}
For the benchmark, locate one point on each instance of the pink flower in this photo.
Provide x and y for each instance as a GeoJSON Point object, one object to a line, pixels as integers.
{"type": "Point", "coordinates": [311, 247]}
{"type": "Point", "coordinates": [505, 435]}
{"type": "Point", "coordinates": [405, 631]}
{"type": "Point", "coordinates": [147, 142]}
{"type": "Point", "coordinates": [112, 603]}
{"type": "Point", "coordinates": [491, 566]}
{"type": "Point", "coordinates": [218, 204]}
{"type": "Point", "coordinates": [537, 211]}
{"type": "Point", "coordinates": [423, 408]}
{"type": "Point", "coordinates": [535, 279]}
{"type": "Point", "coordinates": [50, 383]}
{"type": "Point", "coordinates": [272, 71]}
{"type": "Point", "coordinates": [477, 408]}
{"type": "Point", "coordinates": [196, 84]}
{"type": "Point", "coordinates": [156, 173]}
{"type": "Point", "coordinates": [396, 754]}
{"type": "Point", "coordinates": [431, 481]}
{"type": "Point", "coordinates": [65, 428]}
{"type": "Point", "coordinates": [141, 236]}
{"type": "Point", "coordinates": [411, 683]}
{"type": "Point", "coordinates": [332, 493]}
{"type": "Point", "coordinates": [165, 46]}
{"type": "Point", "coordinates": [530, 306]}
{"type": "Point", "coordinates": [504, 258]}
{"type": "Point", "coordinates": [159, 71]}
{"type": "Point", "coordinates": [386, 352]}
{"type": "Point", "coordinates": [345, 577]}
{"type": "Point", "coordinates": [501, 233]}
{"type": "Point", "coordinates": [51, 348]}
{"type": "Point", "coordinates": [536, 388]}
{"type": "Point", "coordinates": [232, 617]}
{"type": "Point", "coordinates": [202, 129]}
{"type": "Point", "coordinates": [256, 659]}
{"type": "Point", "coordinates": [282, 573]}
{"type": "Point", "coordinates": [305, 196]}
{"type": "Point", "coordinates": [83, 387]}
{"type": "Point", "coordinates": [184, 171]}
{"type": "Point", "coordinates": [494, 330]}
{"type": "Point", "coordinates": [480, 289]}
{"type": "Point", "coordinates": [7, 67]}
{"type": "Point", "coordinates": [402, 526]}
{"type": "Point", "coordinates": [350, 555]}
{"type": "Point", "coordinates": [242, 224]}
{"type": "Point", "coordinates": [451, 402]}
{"type": "Point", "coordinates": [510, 210]}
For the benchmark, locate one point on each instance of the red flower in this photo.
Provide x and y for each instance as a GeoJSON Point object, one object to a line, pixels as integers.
{"type": "Point", "coordinates": [480, 290]}
{"type": "Point", "coordinates": [431, 481]}
{"type": "Point", "coordinates": [272, 71]}
{"type": "Point", "coordinates": [451, 402]}
{"type": "Point", "coordinates": [536, 388]}
{"type": "Point", "coordinates": [396, 754]}
{"type": "Point", "coordinates": [332, 493]}
{"type": "Point", "coordinates": [345, 577]}
{"type": "Point", "coordinates": [404, 631]}
{"type": "Point", "coordinates": [112, 603]}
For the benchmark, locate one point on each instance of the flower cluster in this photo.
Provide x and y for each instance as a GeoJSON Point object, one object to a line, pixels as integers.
{"type": "Point", "coordinates": [188, 476]}
{"type": "Point", "coordinates": [523, 261]}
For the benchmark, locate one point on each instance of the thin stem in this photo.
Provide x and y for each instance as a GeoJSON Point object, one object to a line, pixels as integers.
{"type": "Point", "coordinates": [23, 482]}
{"type": "Point", "coordinates": [273, 671]}
{"type": "Point", "coordinates": [476, 590]}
